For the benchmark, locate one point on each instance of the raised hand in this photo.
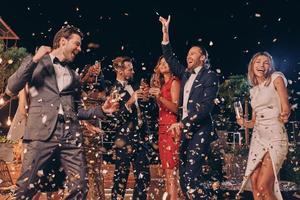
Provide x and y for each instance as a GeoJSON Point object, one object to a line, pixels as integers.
{"type": "Point", "coordinates": [165, 23]}
{"type": "Point", "coordinates": [165, 27]}
{"type": "Point", "coordinates": [110, 106]}
{"type": "Point", "coordinates": [138, 94]}
{"type": "Point", "coordinates": [43, 50]}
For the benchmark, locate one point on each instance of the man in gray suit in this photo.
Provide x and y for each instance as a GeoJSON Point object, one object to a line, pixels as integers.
{"type": "Point", "coordinates": [53, 114]}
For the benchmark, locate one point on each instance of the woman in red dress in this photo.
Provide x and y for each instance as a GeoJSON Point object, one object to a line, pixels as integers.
{"type": "Point", "coordinates": [167, 98]}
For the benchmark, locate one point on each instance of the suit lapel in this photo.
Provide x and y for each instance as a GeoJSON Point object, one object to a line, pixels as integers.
{"type": "Point", "coordinates": [196, 81]}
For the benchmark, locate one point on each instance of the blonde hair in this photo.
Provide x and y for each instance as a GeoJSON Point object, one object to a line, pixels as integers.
{"type": "Point", "coordinates": [251, 76]}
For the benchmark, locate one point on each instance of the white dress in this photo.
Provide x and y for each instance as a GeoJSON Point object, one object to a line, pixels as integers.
{"type": "Point", "coordinates": [269, 135]}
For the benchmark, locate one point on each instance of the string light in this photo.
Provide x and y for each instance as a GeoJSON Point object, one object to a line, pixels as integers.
{"type": "Point", "coordinates": [2, 101]}
{"type": "Point", "coordinates": [8, 123]}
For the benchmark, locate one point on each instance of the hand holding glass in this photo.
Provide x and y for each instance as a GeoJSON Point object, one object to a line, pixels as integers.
{"type": "Point", "coordinates": [238, 108]}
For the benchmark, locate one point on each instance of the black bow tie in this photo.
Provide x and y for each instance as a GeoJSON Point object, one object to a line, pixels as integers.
{"type": "Point", "coordinates": [191, 71]}
{"type": "Point", "coordinates": [188, 73]}
{"type": "Point", "coordinates": [58, 62]}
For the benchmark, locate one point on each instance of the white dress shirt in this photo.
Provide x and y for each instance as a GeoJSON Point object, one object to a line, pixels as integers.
{"type": "Point", "coordinates": [187, 90]}
{"type": "Point", "coordinates": [130, 90]}
{"type": "Point", "coordinates": [63, 78]}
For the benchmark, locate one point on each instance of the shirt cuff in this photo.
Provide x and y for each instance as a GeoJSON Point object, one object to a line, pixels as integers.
{"type": "Point", "coordinates": [9, 92]}
{"type": "Point", "coordinates": [165, 43]}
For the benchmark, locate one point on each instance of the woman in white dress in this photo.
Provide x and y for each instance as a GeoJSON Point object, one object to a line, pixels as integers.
{"type": "Point", "coordinates": [269, 143]}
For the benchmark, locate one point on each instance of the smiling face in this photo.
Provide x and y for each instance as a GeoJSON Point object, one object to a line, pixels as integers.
{"type": "Point", "coordinates": [67, 43]}
{"type": "Point", "coordinates": [260, 68]}
{"type": "Point", "coordinates": [163, 66]}
{"type": "Point", "coordinates": [128, 71]}
{"type": "Point", "coordinates": [195, 57]}
{"type": "Point", "coordinates": [70, 47]}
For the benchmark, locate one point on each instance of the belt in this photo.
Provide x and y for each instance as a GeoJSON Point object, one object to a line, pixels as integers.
{"type": "Point", "coordinates": [60, 118]}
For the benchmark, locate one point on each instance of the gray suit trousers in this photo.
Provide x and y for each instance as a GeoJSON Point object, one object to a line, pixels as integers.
{"type": "Point", "coordinates": [37, 155]}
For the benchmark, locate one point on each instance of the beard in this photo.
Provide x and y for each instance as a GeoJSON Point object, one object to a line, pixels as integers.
{"type": "Point", "coordinates": [129, 79]}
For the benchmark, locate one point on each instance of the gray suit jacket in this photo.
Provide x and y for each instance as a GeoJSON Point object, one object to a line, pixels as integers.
{"type": "Point", "coordinates": [45, 98]}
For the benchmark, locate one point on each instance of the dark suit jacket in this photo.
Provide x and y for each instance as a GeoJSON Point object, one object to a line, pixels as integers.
{"type": "Point", "coordinates": [201, 99]}
{"type": "Point", "coordinates": [126, 122]}
{"type": "Point", "coordinates": [45, 98]}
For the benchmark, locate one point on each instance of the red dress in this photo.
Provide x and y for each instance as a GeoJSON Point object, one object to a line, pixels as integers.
{"type": "Point", "coordinates": [168, 148]}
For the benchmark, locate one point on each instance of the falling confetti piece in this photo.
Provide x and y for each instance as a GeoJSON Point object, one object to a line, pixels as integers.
{"type": "Point", "coordinates": [257, 15]}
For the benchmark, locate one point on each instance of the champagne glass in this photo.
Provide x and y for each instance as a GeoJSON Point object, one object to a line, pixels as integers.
{"type": "Point", "coordinates": [144, 89]}
{"type": "Point", "coordinates": [238, 108]}
{"type": "Point", "coordinates": [96, 74]}
{"type": "Point", "coordinates": [115, 95]}
{"type": "Point", "coordinates": [143, 84]}
{"type": "Point", "coordinates": [155, 80]}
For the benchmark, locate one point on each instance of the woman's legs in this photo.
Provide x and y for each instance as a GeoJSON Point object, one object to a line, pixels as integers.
{"type": "Point", "coordinates": [254, 179]}
{"type": "Point", "coordinates": [266, 179]}
{"type": "Point", "coordinates": [171, 183]}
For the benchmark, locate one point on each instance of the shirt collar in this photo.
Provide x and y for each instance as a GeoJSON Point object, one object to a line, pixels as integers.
{"type": "Point", "coordinates": [56, 61]}
{"type": "Point", "coordinates": [52, 57]}
{"type": "Point", "coordinates": [197, 69]}
{"type": "Point", "coordinates": [123, 83]}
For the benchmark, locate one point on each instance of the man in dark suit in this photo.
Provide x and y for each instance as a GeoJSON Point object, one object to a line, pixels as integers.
{"type": "Point", "coordinates": [130, 142]}
{"type": "Point", "coordinates": [54, 111]}
{"type": "Point", "coordinates": [199, 86]}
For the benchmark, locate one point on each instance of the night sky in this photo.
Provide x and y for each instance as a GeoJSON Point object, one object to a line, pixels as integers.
{"type": "Point", "coordinates": [232, 31]}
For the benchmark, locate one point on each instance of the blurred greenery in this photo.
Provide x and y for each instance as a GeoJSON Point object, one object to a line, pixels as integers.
{"type": "Point", "coordinates": [290, 170]}
{"type": "Point", "coordinates": [233, 88]}
{"type": "Point", "coordinates": [10, 60]}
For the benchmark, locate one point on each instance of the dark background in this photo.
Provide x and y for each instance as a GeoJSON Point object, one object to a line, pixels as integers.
{"type": "Point", "coordinates": [232, 31]}
{"type": "Point", "coordinates": [237, 29]}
